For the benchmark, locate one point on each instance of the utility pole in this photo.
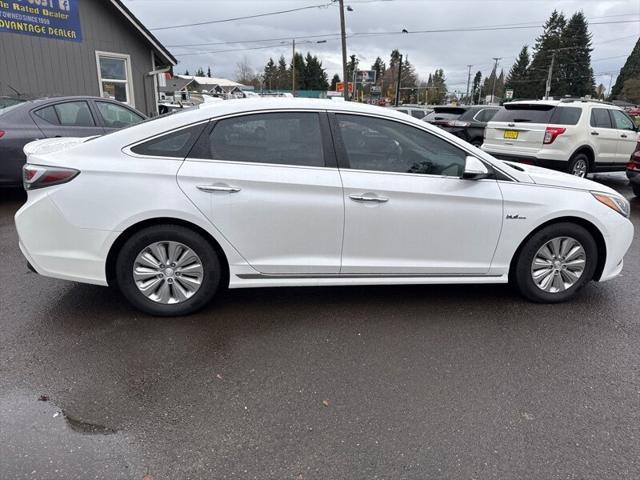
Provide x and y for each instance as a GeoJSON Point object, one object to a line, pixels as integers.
{"type": "Point", "coordinates": [398, 82]}
{"type": "Point", "coordinates": [293, 69]}
{"type": "Point", "coordinates": [468, 83]}
{"type": "Point", "coordinates": [547, 90]}
{"type": "Point", "coordinates": [343, 34]}
{"type": "Point", "coordinates": [495, 77]}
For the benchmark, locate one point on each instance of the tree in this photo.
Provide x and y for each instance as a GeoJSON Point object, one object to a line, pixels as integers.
{"type": "Point", "coordinates": [600, 92]}
{"type": "Point", "coordinates": [436, 87]}
{"type": "Point", "coordinates": [575, 75]}
{"type": "Point", "coordinates": [630, 69]}
{"type": "Point", "coordinates": [546, 44]}
{"type": "Point", "coordinates": [519, 75]}
{"type": "Point", "coordinates": [186, 72]}
{"type": "Point", "coordinates": [300, 71]}
{"type": "Point", "coordinates": [631, 90]}
{"type": "Point", "coordinates": [283, 75]}
{"type": "Point", "coordinates": [352, 66]}
{"type": "Point", "coordinates": [245, 73]}
{"type": "Point", "coordinates": [209, 72]}
{"type": "Point", "coordinates": [315, 77]}
{"type": "Point", "coordinates": [379, 67]}
{"type": "Point", "coordinates": [200, 72]}
{"type": "Point", "coordinates": [334, 82]}
{"type": "Point", "coordinates": [475, 89]}
{"type": "Point", "coordinates": [270, 74]}
{"type": "Point", "coordinates": [494, 84]}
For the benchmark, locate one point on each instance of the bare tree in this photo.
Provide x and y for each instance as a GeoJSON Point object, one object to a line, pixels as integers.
{"type": "Point", "coordinates": [245, 73]}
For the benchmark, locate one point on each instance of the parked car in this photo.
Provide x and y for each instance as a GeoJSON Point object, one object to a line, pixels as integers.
{"type": "Point", "coordinates": [414, 111]}
{"type": "Point", "coordinates": [466, 122]}
{"type": "Point", "coordinates": [10, 101]}
{"type": "Point", "coordinates": [575, 136]}
{"type": "Point", "coordinates": [29, 120]}
{"type": "Point", "coordinates": [633, 170]}
{"type": "Point", "coordinates": [294, 192]}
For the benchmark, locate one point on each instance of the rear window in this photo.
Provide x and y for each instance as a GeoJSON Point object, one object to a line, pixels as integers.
{"type": "Point", "coordinates": [450, 110]}
{"type": "Point", "coordinates": [529, 113]}
{"type": "Point", "coordinates": [566, 116]}
{"type": "Point", "coordinates": [444, 114]}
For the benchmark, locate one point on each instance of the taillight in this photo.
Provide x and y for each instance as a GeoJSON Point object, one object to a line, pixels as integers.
{"type": "Point", "coordinates": [40, 176]}
{"type": "Point", "coordinates": [551, 133]}
{"type": "Point", "coordinates": [459, 123]}
{"type": "Point", "coordinates": [1, 133]}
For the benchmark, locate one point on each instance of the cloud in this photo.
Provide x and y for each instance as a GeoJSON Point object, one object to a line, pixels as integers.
{"type": "Point", "coordinates": [451, 51]}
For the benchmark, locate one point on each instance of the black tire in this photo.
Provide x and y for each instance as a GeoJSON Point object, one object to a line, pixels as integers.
{"type": "Point", "coordinates": [636, 189]}
{"type": "Point", "coordinates": [477, 142]}
{"type": "Point", "coordinates": [579, 159]}
{"type": "Point", "coordinates": [521, 274]}
{"type": "Point", "coordinates": [212, 269]}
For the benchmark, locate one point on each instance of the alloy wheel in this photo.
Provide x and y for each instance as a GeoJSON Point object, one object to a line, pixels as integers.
{"type": "Point", "coordinates": [558, 265]}
{"type": "Point", "coordinates": [168, 272]}
{"type": "Point", "coordinates": [580, 168]}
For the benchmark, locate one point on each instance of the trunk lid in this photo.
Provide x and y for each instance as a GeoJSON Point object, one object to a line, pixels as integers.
{"type": "Point", "coordinates": [52, 145]}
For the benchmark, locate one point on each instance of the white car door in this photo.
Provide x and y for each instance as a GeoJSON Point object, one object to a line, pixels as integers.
{"type": "Point", "coordinates": [627, 135]}
{"type": "Point", "coordinates": [604, 136]}
{"type": "Point", "coordinates": [268, 182]}
{"type": "Point", "coordinates": [407, 211]}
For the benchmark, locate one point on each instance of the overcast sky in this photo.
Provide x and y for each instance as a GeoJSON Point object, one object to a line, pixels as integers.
{"type": "Point", "coordinates": [451, 51]}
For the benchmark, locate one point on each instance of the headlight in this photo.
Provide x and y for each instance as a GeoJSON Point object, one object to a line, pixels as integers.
{"type": "Point", "coordinates": [614, 202]}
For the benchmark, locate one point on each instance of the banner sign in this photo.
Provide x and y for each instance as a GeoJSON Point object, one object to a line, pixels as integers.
{"type": "Point", "coordinates": [340, 87]}
{"type": "Point", "coordinates": [57, 19]}
{"type": "Point", "coordinates": [366, 76]}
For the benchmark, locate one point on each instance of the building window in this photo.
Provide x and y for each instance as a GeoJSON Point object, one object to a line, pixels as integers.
{"type": "Point", "coordinates": [114, 77]}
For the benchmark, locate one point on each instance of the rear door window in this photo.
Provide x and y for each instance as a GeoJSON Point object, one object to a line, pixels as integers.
{"type": "Point", "coordinates": [524, 113]}
{"type": "Point", "coordinates": [600, 118]}
{"type": "Point", "coordinates": [74, 114]}
{"type": "Point", "coordinates": [117, 116]}
{"type": "Point", "coordinates": [566, 116]}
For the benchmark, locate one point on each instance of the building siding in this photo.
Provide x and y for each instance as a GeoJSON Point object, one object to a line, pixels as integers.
{"type": "Point", "coordinates": [48, 67]}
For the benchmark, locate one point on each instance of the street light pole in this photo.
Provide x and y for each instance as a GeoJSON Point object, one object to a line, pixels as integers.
{"type": "Point", "coordinates": [468, 82]}
{"type": "Point", "coordinates": [495, 77]}
{"type": "Point", "coordinates": [398, 82]}
{"type": "Point", "coordinates": [293, 69]}
{"type": "Point", "coordinates": [547, 89]}
{"type": "Point", "coordinates": [343, 34]}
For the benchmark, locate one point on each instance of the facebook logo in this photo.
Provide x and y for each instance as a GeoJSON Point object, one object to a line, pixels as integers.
{"type": "Point", "coordinates": [64, 5]}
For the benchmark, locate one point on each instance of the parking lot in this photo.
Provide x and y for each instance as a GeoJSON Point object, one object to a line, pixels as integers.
{"type": "Point", "coordinates": [316, 383]}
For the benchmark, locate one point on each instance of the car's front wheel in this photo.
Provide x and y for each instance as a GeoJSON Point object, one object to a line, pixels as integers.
{"type": "Point", "coordinates": [555, 263]}
{"type": "Point", "coordinates": [168, 270]}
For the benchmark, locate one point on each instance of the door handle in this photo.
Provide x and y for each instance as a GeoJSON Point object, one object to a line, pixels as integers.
{"type": "Point", "coordinates": [368, 198]}
{"type": "Point", "coordinates": [595, 133]}
{"type": "Point", "coordinates": [218, 188]}
{"type": "Point", "coordinates": [624, 135]}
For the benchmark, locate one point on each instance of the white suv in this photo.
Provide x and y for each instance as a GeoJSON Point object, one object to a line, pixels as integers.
{"type": "Point", "coordinates": [577, 136]}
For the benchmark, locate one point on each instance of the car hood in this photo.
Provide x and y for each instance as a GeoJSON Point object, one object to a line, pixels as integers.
{"type": "Point", "coordinates": [553, 178]}
{"type": "Point", "coordinates": [50, 145]}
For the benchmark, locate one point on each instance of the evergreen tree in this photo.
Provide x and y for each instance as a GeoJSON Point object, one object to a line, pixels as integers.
{"type": "Point", "coordinates": [209, 72]}
{"type": "Point", "coordinates": [270, 74]}
{"type": "Point", "coordinates": [200, 72]}
{"type": "Point", "coordinates": [631, 90]}
{"type": "Point", "coordinates": [283, 76]}
{"type": "Point", "coordinates": [546, 45]}
{"type": "Point", "coordinates": [573, 60]}
{"type": "Point", "coordinates": [352, 66]}
{"type": "Point", "coordinates": [186, 72]}
{"type": "Point", "coordinates": [300, 72]}
{"type": "Point", "coordinates": [334, 82]}
{"type": "Point", "coordinates": [518, 75]}
{"type": "Point", "coordinates": [379, 67]}
{"type": "Point", "coordinates": [494, 84]}
{"type": "Point", "coordinates": [631, 69]}
{"type": "Point", "coordinates": [475, 88]}
{"type": "Point", "coordinates": [314, 75]}
{"type": "Point", "coordinates": [436, 88]}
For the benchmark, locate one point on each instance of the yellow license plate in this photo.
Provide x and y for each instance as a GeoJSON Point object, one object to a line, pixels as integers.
{"type": "Point", "coordinates": [511, 134]}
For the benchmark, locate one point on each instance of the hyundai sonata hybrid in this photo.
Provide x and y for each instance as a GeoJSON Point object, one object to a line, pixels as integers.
{"type": "Point", "coordinates": [294, 192]}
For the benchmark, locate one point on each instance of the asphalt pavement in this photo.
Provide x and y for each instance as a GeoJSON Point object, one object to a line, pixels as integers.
{"type": "Point", "coordinates": [418, 382]}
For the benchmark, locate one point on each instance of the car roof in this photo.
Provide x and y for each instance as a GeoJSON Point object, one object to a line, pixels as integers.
{"type": "Point", "coordinates": [566, 101]}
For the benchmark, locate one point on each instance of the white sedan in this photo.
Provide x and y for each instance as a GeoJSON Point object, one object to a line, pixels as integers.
{"type": "Point", "coordinates": [293, 192]}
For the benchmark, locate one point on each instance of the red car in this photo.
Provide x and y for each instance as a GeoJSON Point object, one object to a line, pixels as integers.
{"type": "Point", "coordinates": [633, 170]}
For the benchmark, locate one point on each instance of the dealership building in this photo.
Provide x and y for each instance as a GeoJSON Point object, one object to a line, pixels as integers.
{"type": "Point", "coordinates": [80, 47]}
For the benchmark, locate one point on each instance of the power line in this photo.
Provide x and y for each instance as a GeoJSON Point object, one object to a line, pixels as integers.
{"type": "Point", "coordinates": [210, 22]}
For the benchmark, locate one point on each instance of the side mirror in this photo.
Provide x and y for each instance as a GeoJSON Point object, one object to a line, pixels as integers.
{"type": "Point", "coordinates": [474, 169]}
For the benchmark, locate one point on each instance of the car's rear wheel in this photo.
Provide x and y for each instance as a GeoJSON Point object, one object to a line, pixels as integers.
{"type": "Point", "coordinates": [555, 263]}
{"type": "Point", "coordinates": [477, 142]}
{"type": "Point", "coordinates": [636, 189]}
{"type": "Point", "coordinates": [579, 165]}
{"type": "Point", "coordinates": [168, 270]}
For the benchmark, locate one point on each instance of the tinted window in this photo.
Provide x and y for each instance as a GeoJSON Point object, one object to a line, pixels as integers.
{"type": "Point", "coordinates": [48, 114]}
{"type": "Point", "coordinates": [281, 138]}
{"type": "Point", "coordinates": [526, 113]}
{"type": "Point", "coordinates": [485, 115]}
{"type": "Point", "coordinates": [117, 116]}
{"type": "Point", "coordinates": [600, 118]}
{"type": "Point", "coordinates": [388, 146]}
{"type": "Point", "coordinates": [74, 114]}
{"type": "Point", "coordinates": [439, 116]}
{"type": "Point", "coordinates": [417, 113]}
{"type": "Point", "coordinates": [622, 121]}
{"type": "Point", "coordinates": [566, 116]}
{"type": "Point", "coordinates": [175, 144]}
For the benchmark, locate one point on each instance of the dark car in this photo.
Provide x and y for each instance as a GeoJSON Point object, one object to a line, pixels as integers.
{"type": "Point", "coordinates": [633, 170]}
{"type": "Point", "coordinates": [466, 122]}
{"type": "Point", "coordinates": [22, 121]}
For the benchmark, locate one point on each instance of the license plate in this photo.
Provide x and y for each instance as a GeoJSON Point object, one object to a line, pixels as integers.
{"type": "Point", "coordinates": [511, 134]}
